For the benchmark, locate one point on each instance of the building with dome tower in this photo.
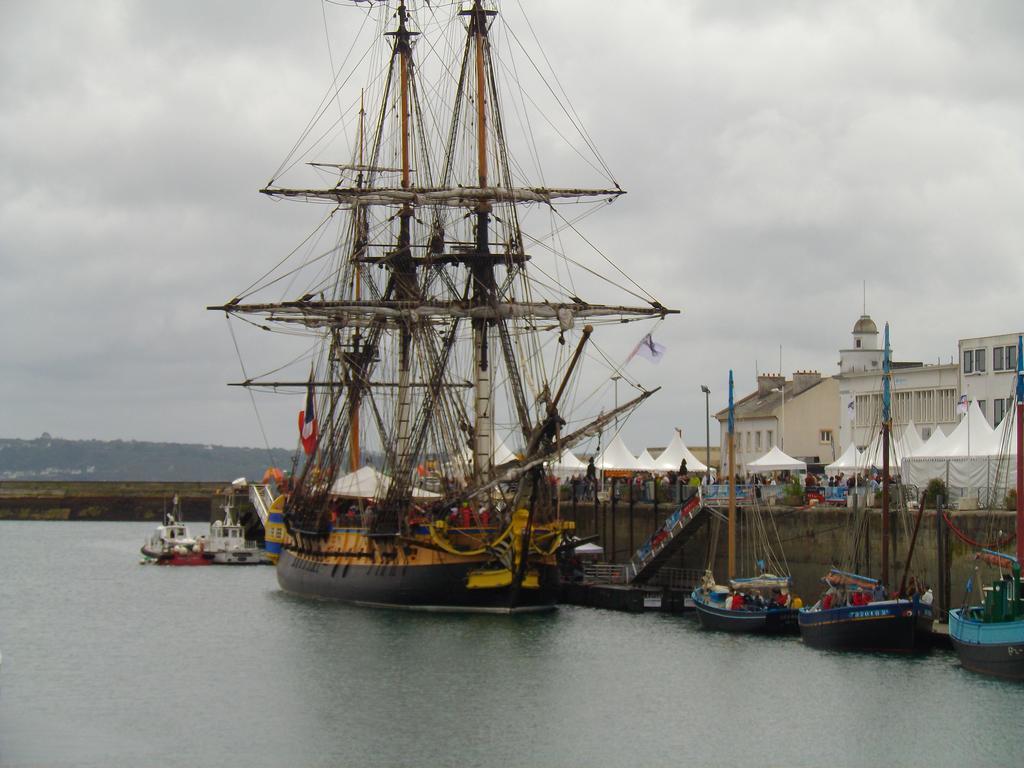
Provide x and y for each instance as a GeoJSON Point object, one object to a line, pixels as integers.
{"type": "Point", "coordinates": [923, 393]}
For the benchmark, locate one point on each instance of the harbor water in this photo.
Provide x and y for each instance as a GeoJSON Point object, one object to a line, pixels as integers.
{"type": "Point", "coordinates": [110, 663]}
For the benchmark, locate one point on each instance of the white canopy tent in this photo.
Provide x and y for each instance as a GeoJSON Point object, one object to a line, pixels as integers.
{"type": "Point", "coordinates": [617, 456]}
{"type": "Point", "coordinates": [972, 436]}
{"type": "Point", "coordinates": [910, 441]}
{"type": "Point", "coordinates": [852, 460]}
{"type": "Point", "coordinates": [933, 445]}
{"type": "Point", "coordinates": [776, 460]}
{"type": "Point", "coordinates": [646, 461]}
{"type": "Point", "coordinates": [369, 483]}
{"type": "Point", "coordinates": [973, 459]}
{"type": "Point", "coordinates": [670, 459]}
{"type": "Point", "coordinates": [567, 465]}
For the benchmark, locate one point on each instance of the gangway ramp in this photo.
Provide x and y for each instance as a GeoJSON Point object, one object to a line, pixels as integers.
{"type": "Point", "coordinates": [677, 530]}
{"type": "Point", "coordinates": [262, 499]}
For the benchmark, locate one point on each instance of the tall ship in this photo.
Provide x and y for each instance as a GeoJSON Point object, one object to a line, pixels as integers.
{"type": "Point", "coordinates": [444, 316]}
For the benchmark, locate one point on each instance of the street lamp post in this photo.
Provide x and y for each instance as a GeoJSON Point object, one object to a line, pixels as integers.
{"type": "Point", "coordinates": [782, 431]}
{"type": "Point", "coordinates": [707, 427]}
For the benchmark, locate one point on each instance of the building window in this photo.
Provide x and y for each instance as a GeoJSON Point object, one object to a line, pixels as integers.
{"type": "Point", "coordinates": [997, 358]}
{"type": "Point", "coordinates": [945, 407]}
{"type": "Point", "coordinates": [981, 407]}
{"type": "Point", "coordinates": [857, 343]}
{"type": "Point", "coordinates": [748, 442]}
{"type": "Point", "coordinates": [757, 440]}
{"type": "Point", "coordinates": [979, 360]}
{"type": "Point", "coordinates": [1011, 358]}
{"type": "Point", "coordinates": [769, 439]}
{"type": "Point", "coordinates": [998, 409]}
{"type": "Point", "coordinates": [825, 436]}
{"type": "Point", "coordinates": [968, 362]}
{"type": "Point", "coordinates": [926, 432]}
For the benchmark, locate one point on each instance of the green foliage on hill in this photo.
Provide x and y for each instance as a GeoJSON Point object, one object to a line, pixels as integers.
{"type": "Point", "coordinates": [47, 458]}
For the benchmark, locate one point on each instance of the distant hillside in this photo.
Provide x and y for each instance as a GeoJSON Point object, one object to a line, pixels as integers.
{"type": "Point", "coordinates": [47, 458]}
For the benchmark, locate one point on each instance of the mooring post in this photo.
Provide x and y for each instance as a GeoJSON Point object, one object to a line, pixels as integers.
{"type": "Point", "coordinates": [615, 504]}
{"type": "Point", "coordinates": [942, 574]}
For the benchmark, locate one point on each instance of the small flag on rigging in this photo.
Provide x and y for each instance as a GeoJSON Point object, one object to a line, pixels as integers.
{"type": "Point", "coordinates": [961, 404]}
{"type": "Point", "coordinates": [307, 420]}
{"type": "Point", "coordinates": [648, 349]}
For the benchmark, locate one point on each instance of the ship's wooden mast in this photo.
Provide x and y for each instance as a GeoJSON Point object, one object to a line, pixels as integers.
{"type": "Point", "coordinates": [482, 266]}
{"type": "Point", "coordinates": [405, 269]}
{"type": "Point", "coordinates": [886, 429]}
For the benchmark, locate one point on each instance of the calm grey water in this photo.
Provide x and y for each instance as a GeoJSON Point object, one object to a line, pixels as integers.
{"type": "Point", "coordinates": [109, 663]}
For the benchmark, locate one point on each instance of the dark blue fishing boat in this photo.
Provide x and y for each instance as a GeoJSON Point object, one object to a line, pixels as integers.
{"type": "Point", "coordinates": [989, 638]}
{"type": "Point", "coordinates": [857, 612]}
{"type": "Point", "coordinates": [761, 604]}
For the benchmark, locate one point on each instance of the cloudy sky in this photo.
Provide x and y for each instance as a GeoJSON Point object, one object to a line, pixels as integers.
{"type": "Point", "coordinates": [777, 155]}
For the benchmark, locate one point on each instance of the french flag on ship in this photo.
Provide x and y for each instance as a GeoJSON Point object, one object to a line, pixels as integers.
{"type": "Point", "coordinates": [307, 421]}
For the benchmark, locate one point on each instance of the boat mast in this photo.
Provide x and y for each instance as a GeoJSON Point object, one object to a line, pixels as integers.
{"type": "Point", "coordinates": [482, 266]}
{"type": "Point", "coordinates": [886, 429]}
{"type": "Point", "coordinates": [732, 486]}
{"type": "Point", "coordinates": [359, 253]}
{"type": "Point", "coordinates": [1020, 452]}
{"type": "Point", "coordinates": [405, 269]}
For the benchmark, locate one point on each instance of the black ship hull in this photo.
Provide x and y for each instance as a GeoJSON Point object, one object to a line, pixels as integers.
{"type": "Point", "coordinates": [763, 621]}
{"type": "Point", "coordinates": [429, 587]}
{"type": "Point", "coordinates": [892, 626]}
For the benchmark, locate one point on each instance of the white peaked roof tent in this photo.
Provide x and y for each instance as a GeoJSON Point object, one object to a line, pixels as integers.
{"type": "Point", "coordinates": [933, 446]}
{"type": "Point", "coordinates": [972, 436]}
{"type": "Point", "coordinates": [670, 459]}
{"type": "Point", "coordinates": [617, 456]}
{"type": "Point", "coordinates": [910, 441]}
{"type": "Point", "coordinates": [567, 465]}
{"type": "Point", "coordinates": [774, 460]}
{"type": "Point", "coordinates": [646, 461]}
{"type": "Point", "coordinates": [852, 460]}
{"type": "Point", "coordinates": [368, 483]}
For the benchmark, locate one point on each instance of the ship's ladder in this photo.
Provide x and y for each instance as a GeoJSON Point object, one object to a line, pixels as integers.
{"type": "Point", "coordinates": [677, 529]}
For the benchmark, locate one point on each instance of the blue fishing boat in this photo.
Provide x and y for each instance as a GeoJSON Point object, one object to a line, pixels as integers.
{"type": "Point", "coordinates": [989, 638]}
{"type": "Point", "coordinates": [857, 612]}
{"type": "Point", "coordinates": [761, 604]}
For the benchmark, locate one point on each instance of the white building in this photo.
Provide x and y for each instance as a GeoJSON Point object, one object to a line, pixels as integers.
{"type": "Point", "coordinates": [988, 365]}
{"type": "Point", "coordinates": [803, 425]}
{"type": "Point", "coordinates": [924, 394]}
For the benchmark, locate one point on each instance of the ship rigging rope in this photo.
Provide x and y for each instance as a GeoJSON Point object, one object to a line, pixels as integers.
{"type": "Point", "coordinates": [571, 111]}
{"type": "Point", "coordinates": [968, 540]}
{"type": "Point", "coordinates": [252, 397]}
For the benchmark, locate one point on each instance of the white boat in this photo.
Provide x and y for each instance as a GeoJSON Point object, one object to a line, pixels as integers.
{"type": "Point", "coordinates": [172, 544]}
{"type": "Point", "coordinates": [226, 544]}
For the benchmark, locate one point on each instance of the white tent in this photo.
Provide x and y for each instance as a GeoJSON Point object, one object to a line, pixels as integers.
{"type": "Point", "coordinates": [670, 459]}
{"type": "Point", "coordinates": [502, 455]}
{"type": "Point", "coordinates": [910, 441]}
{"type": "Point", "coordinates": [368, 483]}
{"type": "Point", "coordinates": [972, 436]}
{"type": "Point", "coordinates": [617, 456]}
{"type": "Point", "coordinates": [567, 465]}
{"type": "Point", "coordinates": [933, 445]}
{"type": "Point", "coordinates": [774, 460]}
{"type": "Point", "coordinates": [971, 459]}
{"type": "Point", "coordinates": [646, 461]}
{"type": "Point", "coordinates": [852, 460]}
